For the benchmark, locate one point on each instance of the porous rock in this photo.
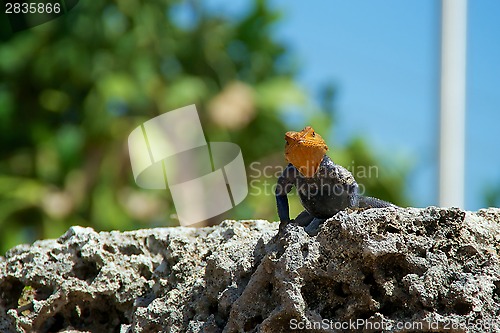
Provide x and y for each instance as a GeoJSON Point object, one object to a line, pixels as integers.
{"type": "Point", "coordinates": [390, 269]}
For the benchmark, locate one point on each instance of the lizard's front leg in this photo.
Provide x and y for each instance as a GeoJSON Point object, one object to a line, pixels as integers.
{"type": "Point", "coordinates": [283, 210]}
{"type": "Point", "coordinates": [283, 187]}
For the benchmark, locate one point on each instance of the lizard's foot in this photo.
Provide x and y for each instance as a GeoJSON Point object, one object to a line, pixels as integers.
{"type": "Point", "coordinates": [283, 224]}
{"type": "Point", "coordinates": [313, 227]}
{"type": "Point", "coordinates": [304, 218]}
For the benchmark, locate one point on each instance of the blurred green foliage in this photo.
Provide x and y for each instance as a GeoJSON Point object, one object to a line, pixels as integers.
{"type": "Point", "coordinates": [492, 194]}
{"type": "Point", "coordinates": [72, 90]}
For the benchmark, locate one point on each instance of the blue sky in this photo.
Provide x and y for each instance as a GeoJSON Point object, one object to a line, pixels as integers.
{"type": "Point", "coordinates": [383, 57]}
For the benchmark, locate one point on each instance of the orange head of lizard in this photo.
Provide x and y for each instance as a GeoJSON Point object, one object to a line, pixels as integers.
{"type": "Point", "coordinates": [305, 150]}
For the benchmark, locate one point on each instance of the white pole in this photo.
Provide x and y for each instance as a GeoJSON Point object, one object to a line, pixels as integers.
{"type": "Point", "coordinates": [452, 122]}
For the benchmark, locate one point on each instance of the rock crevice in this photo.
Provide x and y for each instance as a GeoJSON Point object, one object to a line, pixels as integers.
{"type": "Point", "coordinates": [380, 269]}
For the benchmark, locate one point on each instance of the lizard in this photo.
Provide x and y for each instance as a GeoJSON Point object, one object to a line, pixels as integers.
{"type": "Point", "coordinates": [324, 188]}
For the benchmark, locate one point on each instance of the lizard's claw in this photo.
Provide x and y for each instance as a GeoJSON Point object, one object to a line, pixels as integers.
{"type": "Point", "coordinates": [283, 224]}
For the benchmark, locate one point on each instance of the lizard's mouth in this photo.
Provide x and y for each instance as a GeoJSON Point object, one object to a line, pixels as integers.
{"type": "Point", "coordinates": [305, 159]}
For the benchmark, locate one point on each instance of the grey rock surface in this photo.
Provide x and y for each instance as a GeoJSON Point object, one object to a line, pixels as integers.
{"type": "Point", "coordinates": [390, 269]}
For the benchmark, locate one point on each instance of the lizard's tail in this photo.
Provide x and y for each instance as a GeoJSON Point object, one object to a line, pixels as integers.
{"type": "Point", "coordinates": [369, 202]}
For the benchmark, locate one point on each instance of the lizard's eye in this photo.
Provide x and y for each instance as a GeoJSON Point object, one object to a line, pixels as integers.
{"type": "Point", "coordinates": [313, 134]}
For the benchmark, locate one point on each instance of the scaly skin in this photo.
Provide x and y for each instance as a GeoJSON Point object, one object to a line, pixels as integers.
{"type": "Point", "coordinates": [324, 187]}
